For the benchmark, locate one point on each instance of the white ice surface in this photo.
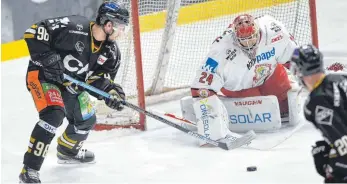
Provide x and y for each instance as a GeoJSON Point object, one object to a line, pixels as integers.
{"type": "Point", "coordinates": [163, 154]}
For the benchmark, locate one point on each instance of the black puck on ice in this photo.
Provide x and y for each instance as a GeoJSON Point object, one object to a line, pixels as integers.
{"type": "Point", "coordinates": [251, 168]}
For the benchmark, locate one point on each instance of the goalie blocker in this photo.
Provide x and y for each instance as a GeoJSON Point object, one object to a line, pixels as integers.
{"type": "Point", "coordinates": [261, 113]}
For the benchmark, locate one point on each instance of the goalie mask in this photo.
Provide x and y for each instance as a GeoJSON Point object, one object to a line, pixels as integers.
{"type": "Point", "coordinates": [246, 34]}
{"type": "Point", "coordinates": [306, 60]}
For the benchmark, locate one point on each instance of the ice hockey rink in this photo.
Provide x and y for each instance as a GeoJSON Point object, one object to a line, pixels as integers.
{"type": "Point", "coordinates": [163, 154]}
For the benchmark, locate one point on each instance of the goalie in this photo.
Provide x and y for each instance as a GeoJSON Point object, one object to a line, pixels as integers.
{"type": "Point", "coordinates": [243, 82]}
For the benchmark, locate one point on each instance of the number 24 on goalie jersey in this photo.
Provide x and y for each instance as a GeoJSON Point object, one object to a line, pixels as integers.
{"type": "Point", "coordinates": [207, 77]}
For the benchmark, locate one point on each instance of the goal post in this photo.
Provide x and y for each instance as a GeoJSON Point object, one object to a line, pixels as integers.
{"type": "Point", "coordinates": [138, 61]}
{"type": "Point", "coordinates": [168, 40]}
{"type": "Point", "coordinates": [166, 46]}
{"type": "Point", "coordinates": [314, 26]}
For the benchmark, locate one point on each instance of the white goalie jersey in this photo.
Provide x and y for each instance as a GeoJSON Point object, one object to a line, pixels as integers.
{"type": "Point", "coordinates": [227, 66]}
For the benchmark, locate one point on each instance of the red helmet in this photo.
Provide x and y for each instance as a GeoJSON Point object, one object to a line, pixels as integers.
{"type": "Point", "coordinates": [246, 33]}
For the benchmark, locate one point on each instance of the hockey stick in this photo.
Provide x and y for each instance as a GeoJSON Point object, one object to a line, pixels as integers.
{"type": "Point", "coordinates": [251, 145]}
{"type": "Point", "coordinates": [225, 144]}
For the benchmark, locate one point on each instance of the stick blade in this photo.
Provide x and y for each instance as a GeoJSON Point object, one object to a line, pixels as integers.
{"type": "Point", "coordinates": [229, 144]}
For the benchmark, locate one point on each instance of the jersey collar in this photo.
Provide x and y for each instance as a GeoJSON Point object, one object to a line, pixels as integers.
{"type": "Point", "coordinates": [93, 46]}
{"type": "Point", "coordinates": [319, 82]}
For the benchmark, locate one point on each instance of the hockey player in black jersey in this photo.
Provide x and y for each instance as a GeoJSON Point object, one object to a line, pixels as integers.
{"type": "Point", "coordinates": [326, 108]}
{"type": "Point", "coordinates": [85, 50]}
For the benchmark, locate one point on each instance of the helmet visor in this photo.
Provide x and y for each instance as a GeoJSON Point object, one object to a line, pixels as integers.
{"type": "Point", "coordinates": [119, 30]}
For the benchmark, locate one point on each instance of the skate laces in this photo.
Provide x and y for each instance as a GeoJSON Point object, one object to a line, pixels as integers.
{"type": "Point", "coordinates": [32, 173]}
{"type": "Point", "coordinates": [82, 153]}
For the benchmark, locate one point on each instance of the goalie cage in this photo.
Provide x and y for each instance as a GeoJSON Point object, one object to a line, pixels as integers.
{"type": "Point", "coordinates": [175, 37]}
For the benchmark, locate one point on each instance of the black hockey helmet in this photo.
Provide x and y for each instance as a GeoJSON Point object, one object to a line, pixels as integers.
{"type": "Point", "coordinates": [308, 60]}
{"type": "Point", "coordinates": [112, 11]}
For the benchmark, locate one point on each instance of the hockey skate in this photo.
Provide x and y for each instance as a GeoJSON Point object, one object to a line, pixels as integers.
{"type": "Point", "coordinates": [83, 156]}
{"type": "Point", "coordinates": [29, 175]}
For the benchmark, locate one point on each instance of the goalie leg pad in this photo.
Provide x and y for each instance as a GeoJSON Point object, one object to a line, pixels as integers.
{"type": "Point", "coordinates": [260, 113]}
{"type": "Point", "coordinates": [187, 108]}
{"type": "Point", "coordinates": [296, 106]}
{"type": "Point", "coordinates": [212, 118]}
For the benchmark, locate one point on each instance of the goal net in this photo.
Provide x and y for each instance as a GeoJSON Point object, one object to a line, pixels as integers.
{"type": "Point", "coordinates": [175, 38]}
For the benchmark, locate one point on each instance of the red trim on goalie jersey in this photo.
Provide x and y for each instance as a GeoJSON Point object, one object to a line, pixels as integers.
{"type": "Point", "coordinates": [242, 93]}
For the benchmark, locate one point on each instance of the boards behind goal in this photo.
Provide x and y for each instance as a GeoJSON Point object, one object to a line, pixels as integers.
{"type": "Point", "coordinates": [168, 39]}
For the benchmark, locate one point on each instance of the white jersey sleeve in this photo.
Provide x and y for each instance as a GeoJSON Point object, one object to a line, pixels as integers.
{"type": "Point", "coordinates": [210, 74]}
{"type": "Point", "coordinates": [279, 36]}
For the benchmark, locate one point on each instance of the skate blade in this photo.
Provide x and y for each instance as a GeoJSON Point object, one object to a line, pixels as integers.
{"type": "Point", "coordinates": [74, 162]}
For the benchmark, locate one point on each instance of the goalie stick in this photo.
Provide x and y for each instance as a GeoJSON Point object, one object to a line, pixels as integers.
{"type": "Point", "coordinates": [225, 144]}
{"type": "Point", "coordinates": [251, 144]}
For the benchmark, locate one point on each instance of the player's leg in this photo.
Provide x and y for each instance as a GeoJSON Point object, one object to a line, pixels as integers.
{"type": "Point", "coordinates": [49, 104]}
{"type": "Point", "coordinates": [278, 84]}
{"type": "Point", "coordinates": [81, 117]}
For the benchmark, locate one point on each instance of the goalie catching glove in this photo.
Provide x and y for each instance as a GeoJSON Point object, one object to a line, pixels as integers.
{"type": "Point", "coordinates": [107, 85]}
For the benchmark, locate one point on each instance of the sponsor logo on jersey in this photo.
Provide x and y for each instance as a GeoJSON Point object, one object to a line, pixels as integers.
{"type": "Point", "coordinates": [247, 118]}
{"type": "Point", "coordinates": [276, 38]}
{"type": "Point", "coordinates": [261, 57]}
{"type": "Point", "coordinates": [47, 126]}
{"type": "Point", "coordinates": [36, 89]}
{"type": "Point", "coordinates": [79, 46]}
{"type": "Point", "coordinates": [59, 22]}
{"type": "Point", "coordinates": [261, 71]}
{"type": "Point", "coordinates": [101, 59]}
{"type": "Point", "coordinates": [210, 65]}
{"type": "Point", "coordinates": [249, 102]}
{"type": "Point", "coordinates": [78, 32]}
{"type": "Point", "coordinates": [274, 27]}
{"type": "Point", "coordinates": [52, 94]}
{"type": "Point", "coordinates": [79, 27]}
{"type": "Point", "coordinates": [231, 54]}
{"type": "Point", "coordinates": [324, 115]}
{"type": "Point", "coordinates": [203, 93]}
{"type": "Point", "coordinates": [72, 64]}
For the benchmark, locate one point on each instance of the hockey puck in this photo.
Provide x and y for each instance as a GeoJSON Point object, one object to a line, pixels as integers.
{"type": "Point", "coordinates": [251, 168]}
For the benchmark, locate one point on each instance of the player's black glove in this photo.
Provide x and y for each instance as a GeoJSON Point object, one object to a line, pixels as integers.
{"type": "Point", "coordinates": [117, 96]}
{"type": "Point", "coordinates": [320, 153]}
{"type": "Point", "coordinates": [53, 67]}
{"type": "Point", "coordinates": [107, 85]}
